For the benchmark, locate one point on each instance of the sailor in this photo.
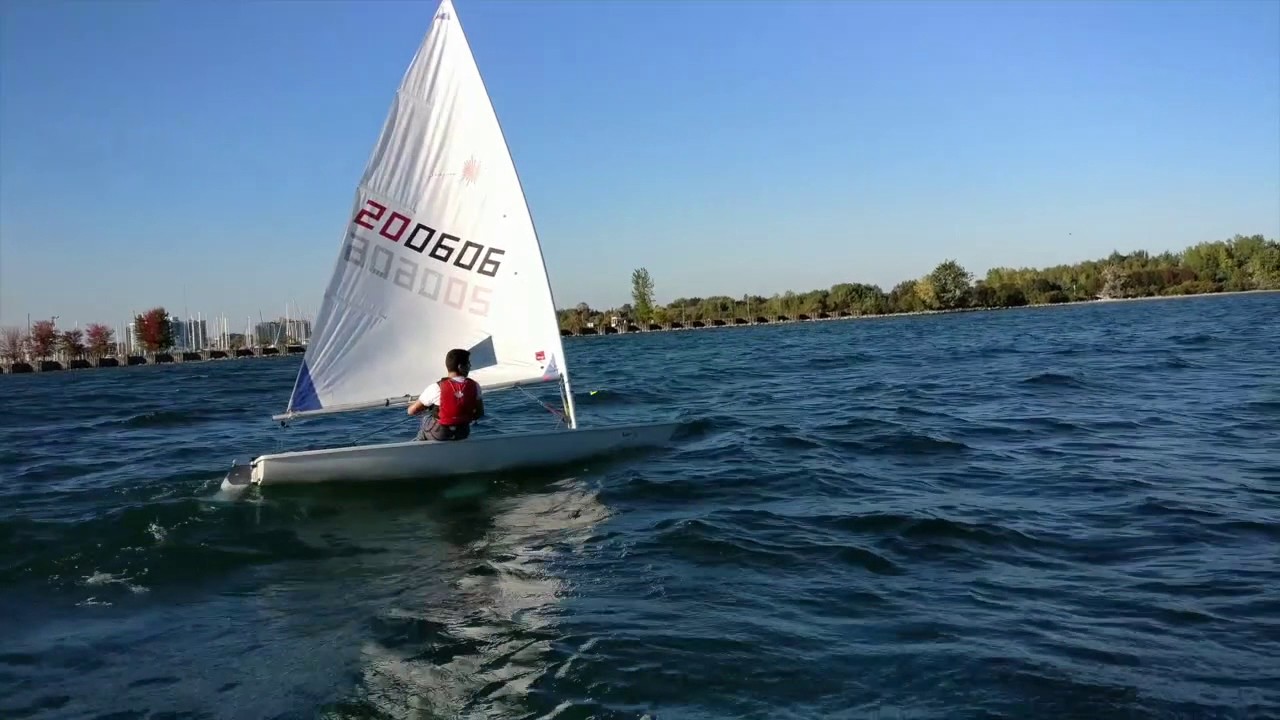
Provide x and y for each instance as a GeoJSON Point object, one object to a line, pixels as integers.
{"type": "Point", "coordinates": [452, 404]}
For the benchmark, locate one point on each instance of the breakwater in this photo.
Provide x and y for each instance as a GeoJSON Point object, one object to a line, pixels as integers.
{"type": "Point", "coordinates": [161, 358]}
{"type": "Point", "coordinates": [631, 328]}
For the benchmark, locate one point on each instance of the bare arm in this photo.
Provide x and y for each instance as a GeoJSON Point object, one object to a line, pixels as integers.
{"type": "Point", "coordinates": [425, 401]}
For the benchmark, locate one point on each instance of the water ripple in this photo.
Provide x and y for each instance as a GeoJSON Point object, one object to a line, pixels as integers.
{"type": "Point", "coordinates": [1058, 512]}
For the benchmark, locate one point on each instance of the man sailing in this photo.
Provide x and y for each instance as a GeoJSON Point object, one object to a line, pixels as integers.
{"type": "Point", "coordinates": [453, 403]}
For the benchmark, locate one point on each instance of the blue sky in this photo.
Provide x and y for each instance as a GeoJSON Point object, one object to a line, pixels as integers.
{"type": "Point", "coordinates": [205, 154]}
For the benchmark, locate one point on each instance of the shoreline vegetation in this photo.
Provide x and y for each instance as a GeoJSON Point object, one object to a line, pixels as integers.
{"type": "Point", "coordinates": [1240, 264]}
{"type": "Point", "coordinates": [697, 325]}
{"type": "Point", "coordinates": [1243, 264]}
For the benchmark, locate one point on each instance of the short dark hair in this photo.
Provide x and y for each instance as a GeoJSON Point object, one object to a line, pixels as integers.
{"type": "Point", "coordinates": [456, 358]}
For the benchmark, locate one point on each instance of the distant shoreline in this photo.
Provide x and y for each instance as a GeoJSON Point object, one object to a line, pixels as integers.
{"type": "Point", "coordinates": [110, 362]}
{"type": "Point", "coordinates": [175, 357]}
{"type": "Point", "coordinates": [950, 311]}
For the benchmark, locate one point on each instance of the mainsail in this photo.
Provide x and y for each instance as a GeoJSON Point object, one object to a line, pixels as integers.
{"type": "Point", "coordinates": [439, 251]}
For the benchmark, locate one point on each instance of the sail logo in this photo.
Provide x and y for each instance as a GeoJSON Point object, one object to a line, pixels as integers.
{"type": "Point", "coordinates": [471, 171]}
{"type": "Point", "coordinates": [470, 174]}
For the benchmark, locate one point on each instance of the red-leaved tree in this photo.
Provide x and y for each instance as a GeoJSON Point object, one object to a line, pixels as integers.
{"type": "Point", "coordinates": [71, 343]}
{"type": "Point", "coordinates": [100, 339]}
{"type": "Point", "coordinates": [154, 330]}
{"type": "Point", "coordinates": [43, 338]}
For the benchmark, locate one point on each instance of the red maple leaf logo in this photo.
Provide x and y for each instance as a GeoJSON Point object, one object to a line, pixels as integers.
{"type": "Point", "coordinates": [471, 170]}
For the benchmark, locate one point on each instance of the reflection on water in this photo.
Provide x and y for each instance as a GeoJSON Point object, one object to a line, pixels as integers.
{"type": "Point", "coordinates": [473, 639]}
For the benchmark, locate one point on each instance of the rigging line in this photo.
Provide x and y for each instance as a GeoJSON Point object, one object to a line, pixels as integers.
{"type": "Point", "coordinates": [384, 428]}
{"type": "Point", "coordinates": [549, 409]}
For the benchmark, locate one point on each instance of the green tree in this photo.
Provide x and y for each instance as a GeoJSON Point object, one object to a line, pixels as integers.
{"type": "Point", "coordinates": [1010, 295]}
{"type": "Point", "coordinates": [787, 304]}
{"type": "Point", "coordinates": [719, 307]}
{"type": "Point", "coordinates": [927, 294]}
{"type": "Point", "coordinates": [843, 297]}
{"type": "Point", "coordinates": [642, 294]}
{"type": "Point", "coordinates": [815, 302]}
{"type": "Point", "coordinates": [1264, 267]}
{"type": "Point", "coordinates": [950, 284]}
{"type": "Point", "coordinates": [685, 309]}
{"type": "Point", "coordinates": [904, 298]}
{"type": "Point", "coordinates": [984, 296]}
{"type": "Point", "coordinates": [1115, 282]}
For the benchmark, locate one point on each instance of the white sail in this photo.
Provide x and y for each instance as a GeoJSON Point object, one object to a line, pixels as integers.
{"type": "Point", "coordinates": [439, 251]}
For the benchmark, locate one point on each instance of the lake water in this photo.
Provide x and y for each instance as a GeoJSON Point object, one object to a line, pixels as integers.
{"type": "Point", "coordinates": [1067, 512]}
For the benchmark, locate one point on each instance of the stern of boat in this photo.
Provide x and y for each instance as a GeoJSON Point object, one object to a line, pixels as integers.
{"type": "Point", "coordinates": [239, 477]}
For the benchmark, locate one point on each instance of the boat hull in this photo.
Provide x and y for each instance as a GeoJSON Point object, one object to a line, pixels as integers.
{"type": "Point", "coordinates": [416, 460]}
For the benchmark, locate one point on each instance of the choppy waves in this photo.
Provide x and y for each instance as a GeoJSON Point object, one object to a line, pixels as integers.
{"type": "Point", "coordinates": [1071, 512]}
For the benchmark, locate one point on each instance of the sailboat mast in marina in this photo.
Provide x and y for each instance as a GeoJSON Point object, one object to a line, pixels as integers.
{"type": "Point", "coordinates": [439, 252]}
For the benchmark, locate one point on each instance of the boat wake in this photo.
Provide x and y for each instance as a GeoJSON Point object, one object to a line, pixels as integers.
{"type": "Point", "coordinates": [237, 480]}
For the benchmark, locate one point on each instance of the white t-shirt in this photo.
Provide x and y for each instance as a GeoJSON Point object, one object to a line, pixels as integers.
{"type": "Point", "coordinates": [431, 396]}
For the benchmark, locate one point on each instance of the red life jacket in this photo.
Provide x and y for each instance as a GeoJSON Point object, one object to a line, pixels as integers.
{"type": "Point", "coordinates": [458, 402]}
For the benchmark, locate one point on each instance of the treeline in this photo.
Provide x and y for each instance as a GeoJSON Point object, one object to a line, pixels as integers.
{"type": "Point", "coordinates": [45, 341]}
{"type": "Point", "coordinates": [1239, 264]}
{"type": "Point", "coordinates": [152, 332]}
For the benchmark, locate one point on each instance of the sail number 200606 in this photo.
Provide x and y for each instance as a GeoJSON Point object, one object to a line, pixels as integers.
{"type": "Point", "coordinates": [393, 228]}
{"type": "Point", "coordinates": [409, 275]}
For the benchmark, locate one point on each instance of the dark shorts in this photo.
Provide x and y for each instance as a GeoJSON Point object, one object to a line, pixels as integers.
{"type": "Point", "coordinates": [432, 430]}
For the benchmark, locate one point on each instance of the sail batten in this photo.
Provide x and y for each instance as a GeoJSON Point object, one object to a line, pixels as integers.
{"type": "Point", "coordinates": [439, 251]}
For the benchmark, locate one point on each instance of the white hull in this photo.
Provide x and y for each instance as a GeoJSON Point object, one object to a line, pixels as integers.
{"type": "Point", "coordinates": [414, 460]}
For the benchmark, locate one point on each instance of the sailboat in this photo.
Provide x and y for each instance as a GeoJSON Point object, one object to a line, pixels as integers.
{"type": "Point", "coordinates": [440, 251]}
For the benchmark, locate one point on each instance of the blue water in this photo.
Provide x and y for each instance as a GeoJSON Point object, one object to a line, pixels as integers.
{"type": "Point", "coordinates": [1068, 512]}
